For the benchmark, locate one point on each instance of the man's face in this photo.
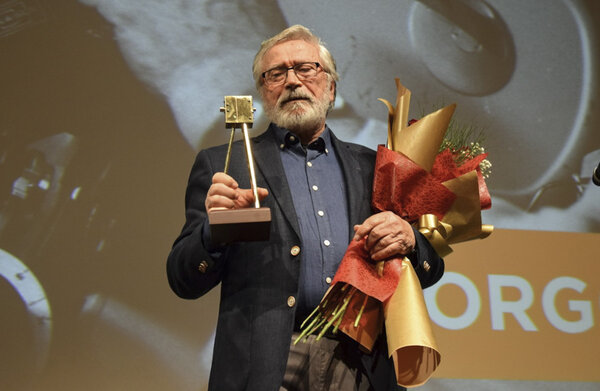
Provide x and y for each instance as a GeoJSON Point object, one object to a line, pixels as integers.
{"type": "Point", "coordinates": [300, 106]}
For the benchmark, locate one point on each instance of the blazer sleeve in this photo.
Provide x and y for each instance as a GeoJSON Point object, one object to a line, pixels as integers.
{"type": "Point", "coordinates": [193, 267]}
{"type": "Point", "coordinates": [428, 265]}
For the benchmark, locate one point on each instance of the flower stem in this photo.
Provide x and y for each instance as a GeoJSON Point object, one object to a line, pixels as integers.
{"type": "Point", "coordinates": [362, 308]}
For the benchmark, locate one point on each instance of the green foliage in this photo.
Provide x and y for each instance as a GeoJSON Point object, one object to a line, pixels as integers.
{"type": "Point", "coordinates": [466, 141]}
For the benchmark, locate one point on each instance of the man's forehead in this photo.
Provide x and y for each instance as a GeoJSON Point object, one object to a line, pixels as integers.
{"type": "Point", "coordinates": [290, 52]}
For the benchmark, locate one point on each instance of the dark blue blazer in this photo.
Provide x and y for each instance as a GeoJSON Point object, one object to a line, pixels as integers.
{"type": "Point", "coordinates": [255, 323]}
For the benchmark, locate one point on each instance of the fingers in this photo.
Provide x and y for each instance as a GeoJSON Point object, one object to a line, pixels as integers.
{"type": "Point", "coordinates": [387, 235]}
{"type": "Point", "coordinates": [245, 197]}
{"type": "Point", "coordinates": [377, 220]}
{"type": "Point", "coordinates": [262, 193]}
{"type": "Point", "coordinates": [224, 193]}
{"type": "Point", "coordinates": [221, 177]}
{"type": "Point", "coordinates": [389, 247]}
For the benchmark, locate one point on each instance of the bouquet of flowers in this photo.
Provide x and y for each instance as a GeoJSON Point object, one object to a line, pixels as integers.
{"type": "Point", "coordinates": [439, 187]}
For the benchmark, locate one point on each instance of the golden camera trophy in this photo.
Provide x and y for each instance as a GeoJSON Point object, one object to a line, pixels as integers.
{"type": "Point", "coordinates": [246, 224]}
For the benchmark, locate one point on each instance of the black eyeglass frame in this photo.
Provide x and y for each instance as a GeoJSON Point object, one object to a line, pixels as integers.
{"type": "Point", "coordinates": [285, 71]}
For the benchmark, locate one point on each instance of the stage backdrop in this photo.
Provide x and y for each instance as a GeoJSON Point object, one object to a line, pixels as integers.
{"type": "Point", "coordinates": [106, 102]}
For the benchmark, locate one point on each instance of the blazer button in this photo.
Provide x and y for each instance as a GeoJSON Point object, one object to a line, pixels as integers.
{"type": "Point", "coordinates": [203, 267]}
{"type": "Point", "coordinates": [426, 266]}
{"type": "Point", "coordinates": [295, 250]}
{"type": "Point", "coordinates": [291, 301]}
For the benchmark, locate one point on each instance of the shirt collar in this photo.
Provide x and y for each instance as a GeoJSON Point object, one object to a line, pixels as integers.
{"type": "Point", "coordinates": [286, 139]}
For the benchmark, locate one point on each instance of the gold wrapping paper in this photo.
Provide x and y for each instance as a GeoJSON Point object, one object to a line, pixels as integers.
{"type": "Point", "coordinates": [436, 232]}
{"type": "Point", "coordinates": [410, 338]}
{"type": "Point", "coordinates": [420, 142]}
{"type": "Point", "coordinates": [465, 213]}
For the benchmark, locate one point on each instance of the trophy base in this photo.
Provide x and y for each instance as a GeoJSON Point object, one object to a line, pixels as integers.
{"type": "Point", "coordinates": [239, 225]}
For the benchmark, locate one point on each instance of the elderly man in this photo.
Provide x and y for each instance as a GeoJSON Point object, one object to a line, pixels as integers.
{"type": "Point", "coordinates": [318, 189]}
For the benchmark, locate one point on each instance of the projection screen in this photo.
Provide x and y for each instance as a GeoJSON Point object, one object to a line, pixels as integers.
{"type": "Point", "coordinates": [106, 102]}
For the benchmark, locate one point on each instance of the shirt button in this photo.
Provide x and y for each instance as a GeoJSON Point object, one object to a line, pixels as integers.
{"type": "Point", "coordinates": [326, 242]}
{"type": "Point", "coordinates": [315, 187]}
{"type": "Point", "coordinates": [281, 146]}
{"type": "Point", "coordinates": [328, 280]}
{"type": "Point", "coordinates": [321, 213]}
{"type": "Point", "coordinates": [309, 164]}
{"type": "Point", "coordinates": [295, 250]}
{"type": "Point", "coordinates": [291, 301]}
{"type": "Point", "coordinates": [203, 266]}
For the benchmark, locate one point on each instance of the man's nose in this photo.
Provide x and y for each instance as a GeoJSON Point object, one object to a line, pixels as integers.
{"type": "Point", "coordinates": [291, 79]}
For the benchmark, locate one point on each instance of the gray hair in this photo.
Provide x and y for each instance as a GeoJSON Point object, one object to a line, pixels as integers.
{"type": "Point", "coordinates": [292, 33]}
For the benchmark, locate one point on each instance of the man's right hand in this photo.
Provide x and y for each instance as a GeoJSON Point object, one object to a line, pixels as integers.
{"type": "Point", "coordinates": [224, 193]}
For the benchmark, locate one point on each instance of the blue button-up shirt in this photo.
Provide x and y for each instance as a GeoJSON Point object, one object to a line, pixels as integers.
{"type": "Point", "coordinates": [317, 184]}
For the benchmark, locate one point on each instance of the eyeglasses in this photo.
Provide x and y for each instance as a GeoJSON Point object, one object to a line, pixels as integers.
{"type": "Point", "coordinates": [304, 71]}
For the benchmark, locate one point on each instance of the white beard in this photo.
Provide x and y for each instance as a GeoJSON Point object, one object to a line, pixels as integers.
{"type": "Point", "coordinates": [303, 117]}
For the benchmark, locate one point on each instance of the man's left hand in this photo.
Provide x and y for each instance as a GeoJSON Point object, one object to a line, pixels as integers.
{"type": "Point", "coordinates": [387, 235]}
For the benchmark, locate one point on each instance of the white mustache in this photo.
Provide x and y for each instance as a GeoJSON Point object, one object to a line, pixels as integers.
{"type": "Point", "coordinates": [294, 96]}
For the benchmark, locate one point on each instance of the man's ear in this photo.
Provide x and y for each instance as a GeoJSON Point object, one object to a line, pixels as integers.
{"type": "Point", "coordinates": [332, 91]}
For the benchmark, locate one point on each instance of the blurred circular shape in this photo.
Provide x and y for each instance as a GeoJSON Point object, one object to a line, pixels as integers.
{"type": "Point", "coordinates": [465, 44]}
{"type": "Point", "coordinates": [537, 104]}
{"type": "Point", "coordinates": [29, 341]}
{"type": "Point", "coordinates": [16, 341]}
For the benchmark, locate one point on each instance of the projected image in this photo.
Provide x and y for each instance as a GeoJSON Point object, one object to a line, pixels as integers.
{"type": "Point", "coordinates": [500, 68]}
{"type": "Point", "coordinates": [107, 102]}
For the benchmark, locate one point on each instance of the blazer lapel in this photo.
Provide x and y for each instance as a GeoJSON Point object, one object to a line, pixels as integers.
{"type": "Point", "coordinates": [358, 189]}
